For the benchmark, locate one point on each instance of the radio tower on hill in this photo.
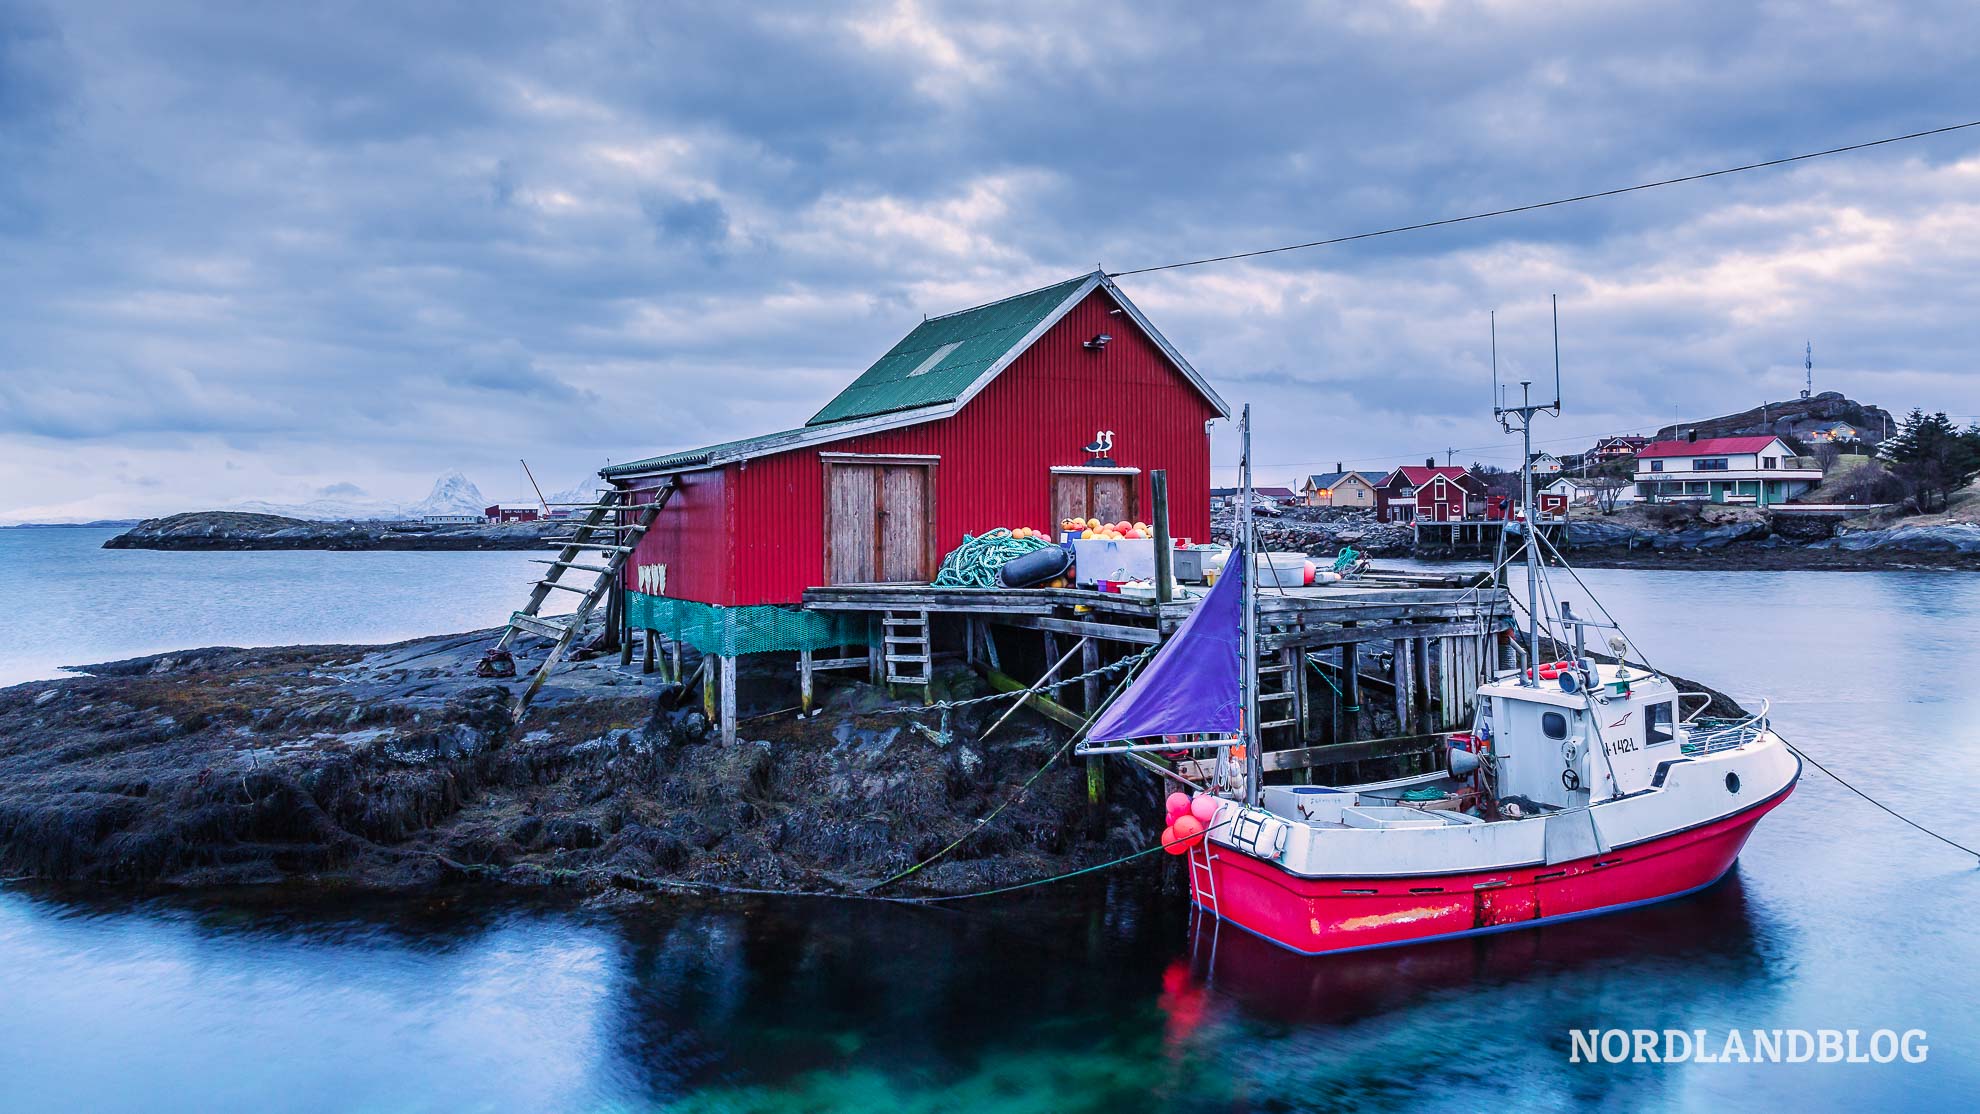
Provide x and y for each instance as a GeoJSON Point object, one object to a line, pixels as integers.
{"type": "Point", "coordinates": [1808, 367]}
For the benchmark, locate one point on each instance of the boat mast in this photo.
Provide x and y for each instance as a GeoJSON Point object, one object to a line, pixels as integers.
{"type": "Point", "coordinates": [1524, 413]}
{"type": "Point", "coordinates": [1254, 768]}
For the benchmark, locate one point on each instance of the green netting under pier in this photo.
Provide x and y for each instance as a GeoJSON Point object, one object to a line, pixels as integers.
{"type": "Point", "coordinates": [756, 629]}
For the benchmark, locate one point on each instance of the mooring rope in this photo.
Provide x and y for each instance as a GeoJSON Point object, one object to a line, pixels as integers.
{"type": "Point", "coordinates": [1021, 789]}
{"type": "Point", "coordinates": [1846, 785]}
{"type": "Point", "coordinates": [951, 705]}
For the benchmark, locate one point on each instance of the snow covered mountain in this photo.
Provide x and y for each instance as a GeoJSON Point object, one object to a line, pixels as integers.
{"type": "Point", "coordinates": [453, 493]}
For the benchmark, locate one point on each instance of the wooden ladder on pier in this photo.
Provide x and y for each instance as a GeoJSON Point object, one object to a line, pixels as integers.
{"type": "Point", "coordinates": [1278, 703]}
{"type": "Point", "coordinates": [904, 648]}
{"type": "Point", "coordinates": [602, 532]}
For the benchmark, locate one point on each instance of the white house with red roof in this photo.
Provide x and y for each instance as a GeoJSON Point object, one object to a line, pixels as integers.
{"type": "Point", "coordinates": [1759, 470]}
{"type": "Point", "coordinates": [1432, 493]}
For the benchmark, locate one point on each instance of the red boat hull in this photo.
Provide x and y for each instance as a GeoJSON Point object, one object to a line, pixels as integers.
{"type": "Point", "coordinates": [1324, 915]}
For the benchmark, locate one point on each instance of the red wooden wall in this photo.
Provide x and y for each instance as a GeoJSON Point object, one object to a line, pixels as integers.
{"type": "Point", "coordinates": [995, 468]}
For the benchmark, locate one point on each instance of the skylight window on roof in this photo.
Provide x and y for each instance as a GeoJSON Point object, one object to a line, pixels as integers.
{"type": "Point", "coordinates": [934, 358]}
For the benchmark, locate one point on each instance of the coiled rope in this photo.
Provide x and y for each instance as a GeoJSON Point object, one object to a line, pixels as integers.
{"type": "Point", "coordinates": [974, 563]}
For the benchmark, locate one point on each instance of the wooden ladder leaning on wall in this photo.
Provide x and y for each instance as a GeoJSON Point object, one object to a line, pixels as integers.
{"type": "Point", "coordinates": [600, 532]}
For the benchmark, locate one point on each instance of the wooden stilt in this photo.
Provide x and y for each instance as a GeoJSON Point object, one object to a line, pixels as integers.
{"type": "Point", "coordinates": [727, 667]}
{"type": "Point", "coordinates": [1420, 670]}
{"type": "Point", "coordinates": [1351, 691]}
{"type": "Point", "coordinates": [646, 637]}
{"type": "Point", "coordinates": [709, 706]}
{"type": "Point", "coordinates": [876, 653]}
{"type": "Point", "coordinates": [1405, 707]}
{"type": "Point", "coordinates": [674, 655]}
{"type": "Point", "coordinates": [804, 681]}
{"type": "Point", "coordinates": [1096, 767]}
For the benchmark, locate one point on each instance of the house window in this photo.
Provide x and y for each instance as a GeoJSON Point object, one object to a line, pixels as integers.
{"type": "Point", "coordinates": [1709, 464]}
{"type": "Point", "coordinates": [1656, 466]}
{"type": "Point", "coordinates": [1696, 488]}
{"type": "Point", "coordinates": [1553, 725]}
{"type": "Point", "coordinates": [1657, 725]}
{"type": "Point", "coordinates": [1770, 462]}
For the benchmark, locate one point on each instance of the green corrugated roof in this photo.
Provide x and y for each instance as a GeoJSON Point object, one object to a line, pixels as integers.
{"type": "Point", "coordinates": [688, 458]}
{"type": "Point", "coordinates": [981, 336]}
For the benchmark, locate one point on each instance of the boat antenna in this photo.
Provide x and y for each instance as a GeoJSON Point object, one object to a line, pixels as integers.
{"type": "Point", "coordinates": [1254, 765]}
{"type": "Point", "coordinates": [1520, 418]}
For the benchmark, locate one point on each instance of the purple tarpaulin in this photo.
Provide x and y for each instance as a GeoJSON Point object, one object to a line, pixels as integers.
{"type": "Point", "coordinates": [1191, 686]}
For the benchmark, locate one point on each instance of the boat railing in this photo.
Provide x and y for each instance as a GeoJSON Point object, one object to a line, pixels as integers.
{"type": "Point", "coordinates": [1710, 736]}
{"type": "Point", "coordinates": [1705, 699]}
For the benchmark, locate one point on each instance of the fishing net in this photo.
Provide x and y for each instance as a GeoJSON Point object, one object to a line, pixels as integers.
{"type": "Point", "coordinates": [755, 629]}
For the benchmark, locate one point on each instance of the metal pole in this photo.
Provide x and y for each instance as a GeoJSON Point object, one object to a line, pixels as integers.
{"type": "Point", "coordinates": [1532, 551]}
{"type": "Point", "coordinates": [1254, 765]}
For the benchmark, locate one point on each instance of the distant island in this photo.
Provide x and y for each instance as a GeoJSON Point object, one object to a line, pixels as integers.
{"type": "Point", "coordinates": [218, 530]}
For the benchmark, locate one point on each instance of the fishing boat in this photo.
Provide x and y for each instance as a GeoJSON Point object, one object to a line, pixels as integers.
{"type": "Point", "coordinates": [1585, 784]}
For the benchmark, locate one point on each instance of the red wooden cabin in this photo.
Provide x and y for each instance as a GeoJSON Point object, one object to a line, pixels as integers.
{"type": "Point", "coordinates": [1050, 404]}
{"type": "Point", "coordinates": [1432, 493]}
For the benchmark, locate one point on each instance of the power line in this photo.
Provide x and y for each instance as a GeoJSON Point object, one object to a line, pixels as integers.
{"type": "Point", "coordinates": [1549, 204]}
{"type": "Point", "coordinates": [1486, 450]}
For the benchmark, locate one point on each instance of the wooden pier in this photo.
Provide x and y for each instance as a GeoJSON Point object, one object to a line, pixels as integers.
{"type": "Point", "coordinates": [1354, 675]}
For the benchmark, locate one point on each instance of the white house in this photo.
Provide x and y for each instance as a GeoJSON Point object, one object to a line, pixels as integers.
{"type": "Point", "coordinates": [1758, 470]}
{"type": "Point", "coordinates": [1580, 489]}
{"type": "Point", "coordinates": [1545, 465]}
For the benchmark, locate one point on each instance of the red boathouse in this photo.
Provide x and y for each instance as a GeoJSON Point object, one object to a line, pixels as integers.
{"type": "Point", "coordinates": [1050, 404]}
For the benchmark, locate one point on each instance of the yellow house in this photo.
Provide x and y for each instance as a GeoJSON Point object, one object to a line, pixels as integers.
{"type": "Point", "coordinates": [1340, 488]}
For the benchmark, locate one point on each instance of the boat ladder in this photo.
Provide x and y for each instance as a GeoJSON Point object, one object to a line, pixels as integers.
{"type": "Point", "coordinates": [605, 531]}
{"type": "Point", "coordinates": [905, 646]}
{"type": "Point", "coordinates": [1203, 879]}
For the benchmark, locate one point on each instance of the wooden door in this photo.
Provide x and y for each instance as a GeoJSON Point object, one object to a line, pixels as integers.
{"type": "Point", "coordinates": [906, 513]}
{"type": "Point", "coordinates": [1107, 497]}
{"type": "Point", "coordinates": [852, 523]}
{"type": "Point", "coordinates": [879, 522]}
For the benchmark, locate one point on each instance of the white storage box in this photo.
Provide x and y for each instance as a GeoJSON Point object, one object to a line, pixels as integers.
{"type": "Point", "coordinates": [1281, 570]}
{"type": "Point", "coordinates": [1128, 559]}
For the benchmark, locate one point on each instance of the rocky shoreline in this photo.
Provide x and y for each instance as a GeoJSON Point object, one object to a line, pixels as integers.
{"type": "Point", "coordinates": [1676, 537]}
{"type": "Point", "coordinates": [231, 530]}
{"type": "Point", "coordinates": [394, 767]}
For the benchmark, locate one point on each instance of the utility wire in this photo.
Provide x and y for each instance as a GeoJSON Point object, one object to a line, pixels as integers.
{"type": "Point", "coordinates": [1549, 204]}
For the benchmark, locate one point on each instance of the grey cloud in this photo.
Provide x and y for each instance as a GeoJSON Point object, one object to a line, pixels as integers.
{"type": "Point", "coordinates": [412, 233]}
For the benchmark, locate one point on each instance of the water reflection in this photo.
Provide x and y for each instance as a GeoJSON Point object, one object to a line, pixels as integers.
{"type": "Point", "coordinates": [1088, 998]}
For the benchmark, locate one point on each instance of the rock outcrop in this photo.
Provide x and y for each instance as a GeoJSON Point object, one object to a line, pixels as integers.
{"type": "Point", "coordinates": [390, 767]}
{"type": "Point", "coordinates": [235, 530]}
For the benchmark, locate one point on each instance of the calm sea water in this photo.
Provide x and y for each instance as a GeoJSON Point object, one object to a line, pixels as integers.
{"type": "Point", "coordinates": [1071, 999]}
{"type": "Point", "coordinates": [69, 601]}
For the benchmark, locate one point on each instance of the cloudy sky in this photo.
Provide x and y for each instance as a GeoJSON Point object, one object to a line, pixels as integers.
{"type": "Point", "coordinates": [262, 251]}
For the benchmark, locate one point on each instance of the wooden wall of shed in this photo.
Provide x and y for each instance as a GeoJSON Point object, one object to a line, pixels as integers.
{"type": "Point", "coordinates": [694, 536]}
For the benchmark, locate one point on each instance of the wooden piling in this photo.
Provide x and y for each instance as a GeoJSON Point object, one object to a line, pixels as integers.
{"type": "Point", "coordinates": [804, 681]}
{"type": "Point", "coordinates": [1351, 691]}
{"type": "Point", "coordinates": [727, 667]}
{"type": "Point", "coordinates": [1096, 766]}
{"type": "Point", "coordinates": [1158, 493]}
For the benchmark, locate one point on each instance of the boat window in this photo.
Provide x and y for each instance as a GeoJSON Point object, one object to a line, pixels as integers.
{"type": "Point", "coordinates": [1657, 727]}
{"type": "Point", "coordinates": [1553, 725]}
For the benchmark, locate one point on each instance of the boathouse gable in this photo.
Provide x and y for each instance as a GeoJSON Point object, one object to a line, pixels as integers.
{"type": "Point", "coordinates": [1036, 418]}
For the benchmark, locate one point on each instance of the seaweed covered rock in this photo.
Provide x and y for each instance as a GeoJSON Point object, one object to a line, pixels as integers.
{"type": "Point", "coordinates": [395, 766]}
